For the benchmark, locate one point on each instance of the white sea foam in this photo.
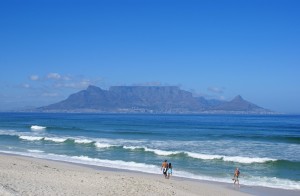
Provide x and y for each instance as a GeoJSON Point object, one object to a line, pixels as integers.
{"type": "Point", "coordinates": [30, 138]}
{"type": "Point", "coordinates": [55, 139]}
{"type": "Point", "coordinates": [155, 151]}
{"type": "Point", "coordinates": [37, 128]}
{"type": "Point", "coordinates": [133, 147]}
{"type": "Point", "coordinates": [103, 145]}
{"type": "Point", "coordinates": [161, 152]}
{"type": "Point", "coordinates": [108, 143]}
{"type": "Point", "coordinates": [272, 182]}
{"type": "Point", "coordinates": [237, 159]}
{"type": "Point", "coordinates": [203, 156]}
{"type": "Point", "coordinates": [247, 159]}
{"type": "Point", "coordinates": [117, 164]}
{"type": "Point", "coordinates": [8, 132]}
{"type": "Point", "coordinates": [83, 141]}
{"type": "Point", "coordinates": [35, 151]}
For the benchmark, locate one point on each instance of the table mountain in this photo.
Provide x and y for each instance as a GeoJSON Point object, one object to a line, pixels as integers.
{"type": "Point", "coordinates": [148, 99]}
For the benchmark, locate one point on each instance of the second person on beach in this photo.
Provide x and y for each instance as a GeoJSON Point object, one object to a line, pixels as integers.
{"type": "Point", "coordinates": [236, 176]}
{"type": "Point", "coordinates": [170, 170]}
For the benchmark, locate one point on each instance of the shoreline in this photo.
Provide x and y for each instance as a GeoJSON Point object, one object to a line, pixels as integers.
{"type": "Point", "coordinates": [142, 181]}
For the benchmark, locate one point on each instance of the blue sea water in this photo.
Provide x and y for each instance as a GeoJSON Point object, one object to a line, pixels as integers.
{"type": "Point", "coordinates": [206, 147]}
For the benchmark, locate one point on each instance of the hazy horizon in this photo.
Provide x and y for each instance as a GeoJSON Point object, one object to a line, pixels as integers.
{"type": "Point", "coordinates": [215, 49]}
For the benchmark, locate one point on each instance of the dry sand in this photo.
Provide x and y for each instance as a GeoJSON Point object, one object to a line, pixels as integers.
{"type": "Point", "coordinates": [30, 176]}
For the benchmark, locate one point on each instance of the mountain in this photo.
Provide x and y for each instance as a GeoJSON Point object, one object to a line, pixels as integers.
{"type": "Point", "coordinates": [148, 99]}
{"type": "Point", "coordinates": [208, 104]}
{"type": "Point", "coordinates": [239, 104]}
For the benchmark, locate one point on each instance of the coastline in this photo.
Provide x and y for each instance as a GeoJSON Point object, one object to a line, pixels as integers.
{"type": "Point", "coordinates": [21, 175]}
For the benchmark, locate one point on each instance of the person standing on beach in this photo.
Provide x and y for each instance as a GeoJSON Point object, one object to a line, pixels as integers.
{"type": "Point", "coordinates": [170, 170]}
{"type": "Point", "coordinates": [236, 176]}
{"type": "Point", "coordinates": [164, 168]}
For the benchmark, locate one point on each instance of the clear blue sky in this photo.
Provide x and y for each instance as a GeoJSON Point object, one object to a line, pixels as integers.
{"type": "Point", "coordinates": [216, 49]}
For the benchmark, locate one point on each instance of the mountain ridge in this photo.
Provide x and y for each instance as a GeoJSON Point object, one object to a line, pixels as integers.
{"type": "Point", "coordinates": [148, 99]}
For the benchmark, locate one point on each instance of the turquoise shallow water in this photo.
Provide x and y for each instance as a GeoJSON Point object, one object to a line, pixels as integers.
{"type": "Point", "coordinates": [208, 147]}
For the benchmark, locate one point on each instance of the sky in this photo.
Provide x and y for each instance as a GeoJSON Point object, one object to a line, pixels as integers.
{"type": "Point", "coordinates": [214, 48]}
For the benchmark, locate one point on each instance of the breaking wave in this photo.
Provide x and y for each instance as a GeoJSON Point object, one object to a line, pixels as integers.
{"type": "Point", "coordinates": [31, 138]}
{"type": "Point", "coordinates": [54, 139]}
{"type": "Point", "coordinates": [103, 145]}
{"type": "Point", "coordinates": [37, 128]}
{"type": "Point", "coordinates": [83, 141]}
{"type": "Point", "coordinates": [237, 159]}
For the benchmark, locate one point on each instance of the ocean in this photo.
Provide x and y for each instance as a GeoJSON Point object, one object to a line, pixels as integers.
{"type": "Point", "coordinates": [266, 148]}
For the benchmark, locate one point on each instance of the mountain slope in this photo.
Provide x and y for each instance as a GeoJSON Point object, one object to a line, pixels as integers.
{"type": "Point", "coordinates": [238, 104]}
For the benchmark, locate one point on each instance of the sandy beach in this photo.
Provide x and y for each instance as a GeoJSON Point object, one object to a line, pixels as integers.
{"type": "Point", "coordinates": [30, 176]}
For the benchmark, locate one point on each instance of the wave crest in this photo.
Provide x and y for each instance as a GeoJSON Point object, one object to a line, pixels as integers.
{"type": "Point", "coordinates": [55, 139]}
{"type": "Point", "coordinates": [194, 155]}
{"type": "Point", "coordinates": [83, 141]}
{"type": "Point", "coordinates": [247, 159]}
{"type": "Point", "coordinates": [160, 152]}
{"type": "Point", "coordinates": [103, 145]}
{"type": "Point", "coordinates": [37, 128]}
{"type": "Point", "coordinates": [31, 138]}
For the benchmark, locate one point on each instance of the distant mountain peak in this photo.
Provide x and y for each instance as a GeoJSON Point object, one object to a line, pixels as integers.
{"type": "Point", "coordinates": [240, 104]}
{"type": "Point", "coordinates": [238, 98]}
{"type": "Point", "coordinates": [93, 88]}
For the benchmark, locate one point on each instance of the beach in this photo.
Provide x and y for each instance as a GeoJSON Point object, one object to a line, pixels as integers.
{"type": "Point", "coordinates": [21, 175]}
{"type": "Point", "coordinates": [30, 176]}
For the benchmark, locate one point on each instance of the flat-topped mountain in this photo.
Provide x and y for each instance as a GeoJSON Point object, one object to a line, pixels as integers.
{"type": "Point", "coordinates": [148, 99]}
